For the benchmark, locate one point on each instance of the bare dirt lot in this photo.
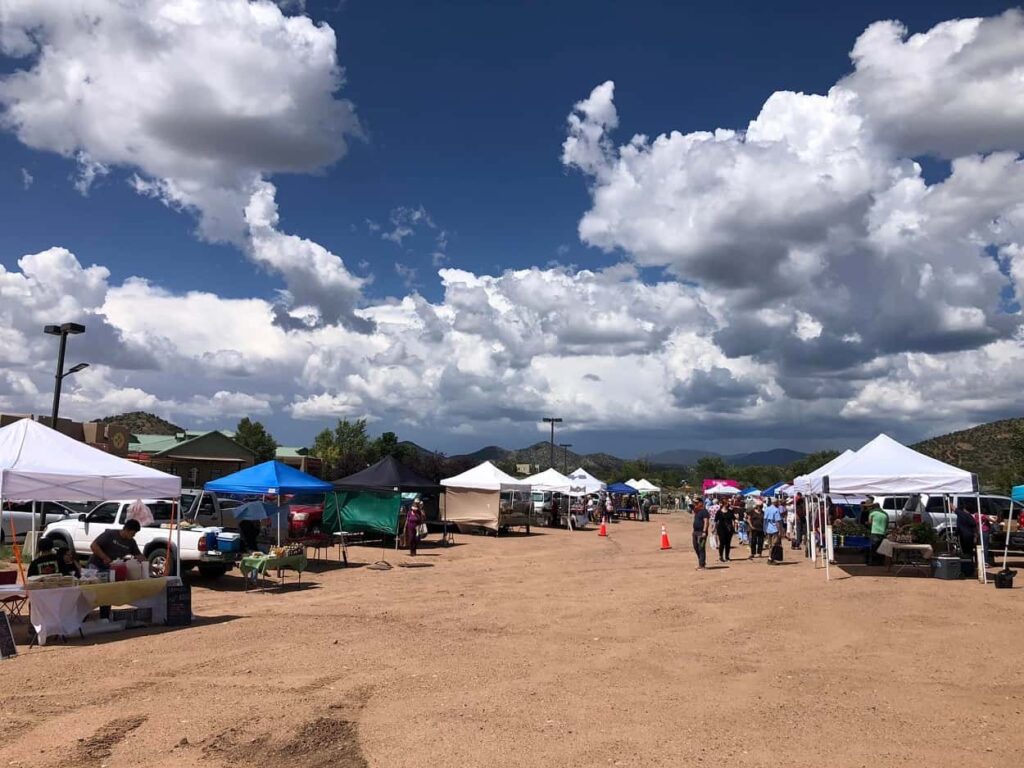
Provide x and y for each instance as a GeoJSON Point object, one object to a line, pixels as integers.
{"type": "Point", "coordinates": [557, 649]}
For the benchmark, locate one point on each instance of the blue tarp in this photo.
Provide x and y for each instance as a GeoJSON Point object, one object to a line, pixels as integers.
{"type": "Point", "coordinates": [621, 488]}
{"type": "Point", "coordinates": [751, 491]}
{"type": "Point", "coordinates": [271, 477]}
{"type": "Point", "coordinates": [1018, 494]}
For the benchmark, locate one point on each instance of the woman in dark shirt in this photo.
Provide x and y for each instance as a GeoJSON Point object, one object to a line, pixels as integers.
{"type": "Point", "coordinates": [725, 527]}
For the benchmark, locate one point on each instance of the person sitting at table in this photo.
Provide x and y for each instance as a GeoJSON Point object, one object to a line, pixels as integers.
{"type": "Point", "coordinates": [49, 562]}
{"type": "Point", "coordinates": [250, 532]}
{"type": "Point", "coordinates": [113, 544]}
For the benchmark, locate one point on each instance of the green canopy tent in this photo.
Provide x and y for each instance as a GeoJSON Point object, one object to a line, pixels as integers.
{"type": "Point", "coordinates": [370, 501]}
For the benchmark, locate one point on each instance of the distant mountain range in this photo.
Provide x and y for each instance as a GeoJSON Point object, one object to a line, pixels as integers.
{"type": "Point", "coordinates": [993, 451]}
{"type": "Point", "coordinates": [539, 454]}
{"type": "Point", "coordinates": [687, 457]}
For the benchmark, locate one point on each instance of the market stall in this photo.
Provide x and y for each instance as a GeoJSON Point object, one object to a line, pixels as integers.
{"type": "Point", "coordinates": [40, 464]}
{"type": "Point", "coordinates": [620, 509]}
{"type": "Point", "coordinates": [271, 478]}
{"type": "Point", "coordinates": [886, 467]}
{"type": "Point", "coordinates": [587, 481]}
{"type": "Point", "coordinates": [370, 501]}
{"type": "Point", "coordinates": [551, 480]}
{"type": "Point", "coordinates": [485, 497]}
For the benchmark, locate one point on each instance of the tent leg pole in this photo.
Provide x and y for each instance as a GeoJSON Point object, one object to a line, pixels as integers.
{"type": "Point", "coordinates": [980, 551]}
{"type": "Point", "coordinates": [1006, 546]}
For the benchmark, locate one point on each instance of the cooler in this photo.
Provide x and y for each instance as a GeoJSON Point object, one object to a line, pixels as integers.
{"type": "Point", "coordinates": [229, 542]}
{"type": "Point", "coordinates": [946, 567]}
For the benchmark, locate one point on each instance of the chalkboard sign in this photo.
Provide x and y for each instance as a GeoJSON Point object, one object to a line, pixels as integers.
{"type": "Point", "coordinates": [7, 646]}
{"type": "Point", "coordinates": [179, 605]}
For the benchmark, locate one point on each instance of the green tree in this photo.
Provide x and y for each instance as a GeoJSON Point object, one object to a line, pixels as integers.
{"type": "Point", "coordinates": [344, 449]}
{"type": "Point", "coordinates": [254, 436]}
{"type": "Point", "coordinates": [387, 445]}
{"type": "Point", "coordinates": [708, 468]}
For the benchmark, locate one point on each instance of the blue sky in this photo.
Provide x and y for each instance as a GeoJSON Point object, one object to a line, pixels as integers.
{"type": "Point", "coordinates": [464, 107]}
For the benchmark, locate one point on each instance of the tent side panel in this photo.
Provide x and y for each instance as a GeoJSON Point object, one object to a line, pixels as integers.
{"type": "Point", "coordinates": [469, 508]}
{"type": "Point", "coordinates": [369, 512]}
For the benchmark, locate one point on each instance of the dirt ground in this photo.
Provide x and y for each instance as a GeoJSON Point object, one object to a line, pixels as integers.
{"type": "Point", "coordinates": [557, 649]}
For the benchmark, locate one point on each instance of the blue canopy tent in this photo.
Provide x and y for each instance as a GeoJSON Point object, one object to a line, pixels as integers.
{"type": "Point", "coordinates": [271, 478]}
{"type": "Point", "coordinates": [751, 491]}
{"type": "Point", "coordinates": [621, 488]}
{"type": "Point", "coordinates": [1018, 494]}
{"type": "Point", "coordinates": [771, 490]}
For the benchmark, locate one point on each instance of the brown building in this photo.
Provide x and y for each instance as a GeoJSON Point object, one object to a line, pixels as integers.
{"type": "Point", "coordinates": [195, 457]}
{"type": "Point", "coordinates": [112, 438]}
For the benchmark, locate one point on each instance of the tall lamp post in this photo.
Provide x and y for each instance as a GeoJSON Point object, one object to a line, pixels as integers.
{"type": "Point", "coordinates": [65, 330]}
{"type": "Point", "coordinates": [565, 456]}
{"type": "Point", "coordinates": [552, 420]}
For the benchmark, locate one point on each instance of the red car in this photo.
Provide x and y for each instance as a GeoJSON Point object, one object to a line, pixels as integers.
{"type": "Point", "coordinates": [305, 515]}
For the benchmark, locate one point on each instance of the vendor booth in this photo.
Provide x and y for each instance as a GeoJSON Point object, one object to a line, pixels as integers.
{"type": "Point", "coordinates": [271, 478]}
{"type": "Point", "coordinates": [40, 464]}
{"type": "Point", "coordinates": [886, 467]}
{"type": "Point", "coordinates": [370, 501]}
{"type": "Point", "coordinates": [551, 480]}
{"type": "Point", "coordinates": [485, 497]}
{"type": "Point", "coordinates": [587, 481]}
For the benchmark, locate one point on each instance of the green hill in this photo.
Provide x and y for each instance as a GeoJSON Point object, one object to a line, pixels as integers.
{"type": "Point", "coordinates": [139, 422]}
{"type": "Point", "coordinates": [994, 451]}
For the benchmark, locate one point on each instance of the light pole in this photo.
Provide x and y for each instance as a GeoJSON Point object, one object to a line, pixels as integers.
{"type": "Point", "coordinates": [565, 456]}
{"type": "Point", "coordinates": [63, 331]}
{"type": "Point", "coordinates": [552, 420]}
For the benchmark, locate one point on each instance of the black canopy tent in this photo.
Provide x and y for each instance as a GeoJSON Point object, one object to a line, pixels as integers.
{"type": "Point", "coordinates": [370, 500]}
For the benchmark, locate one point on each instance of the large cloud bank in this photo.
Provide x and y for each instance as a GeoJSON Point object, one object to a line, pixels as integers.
{"type": "Point", "coordinates": [814, 281]}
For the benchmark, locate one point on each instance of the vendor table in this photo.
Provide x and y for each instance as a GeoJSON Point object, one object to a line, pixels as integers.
{"type": "Point", "coordinates": [258, 565]}
{"type": "Point", "coordinates": [903, 556]}
{"type": "Point", "coordinates": [628, 513]}
{"type": "Point", "coordinates": [62, 610]}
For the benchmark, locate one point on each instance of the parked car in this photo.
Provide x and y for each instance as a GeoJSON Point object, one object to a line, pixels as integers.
{"type": "Point", "coordinates": [542, 504]}
{"type": "Point", "coordinates": [208, 509]}
{"type": "Point", "coordinates": [933, 510]}
{"type": "Point", "coordinates": [78, 534]}
{"type": "Point", "coordinates": [20, 514]}
{"type": "Point", "coordinates": [305, 514]}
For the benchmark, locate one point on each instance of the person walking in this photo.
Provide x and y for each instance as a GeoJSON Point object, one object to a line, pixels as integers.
{"type": "Point", "coordinates": [412, 522]}
{"type": "Point", "coordinates": [742, 529]}
{"type": "Point", "coordinates": [800, 510]}
{"type": "Point", "coordinates": [879, 522]}
{"type": "Point", "coordinates": [755, 520]}
{"type": "Point", "coordinates": [725, 527]}
{"type": "Point", "coordinates": [773, 530]}
{"type": "Point", "coordinates": [701, 524]}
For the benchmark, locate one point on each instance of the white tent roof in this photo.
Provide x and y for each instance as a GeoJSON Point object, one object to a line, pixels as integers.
{"type": "Point", "coordinates": [886, 466]}
{"type": "Point", "coordinates": [721, 490]}
{"type": "Point", "coordinates": [589, 483]}
{"type": "Point", "coordinates": [811, 482]}
{"type": "Point", "coordinates": [645, 485]}
{"type": "Point", "coordinates": [632, 483]}
{"type": "Point", "coordinates": [549, 480]}
{"type": "Point", "coordinates": [486, 477]}
{"type": "Point", "coordinates": [40, 464]}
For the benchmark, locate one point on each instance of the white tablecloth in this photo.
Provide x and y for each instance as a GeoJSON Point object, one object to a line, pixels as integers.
{"type": "Point", "coordinates": [62, 611]}
{"type": "Point", "coordinates": [888, 548]}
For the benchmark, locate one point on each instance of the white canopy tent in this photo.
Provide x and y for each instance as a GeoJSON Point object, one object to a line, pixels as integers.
{"type": "Point", "coordinates": [554, 481]}
{"type": "Point", "coordinates": [721, 490]}
{"type": "Point", "coordinates": [887, 467]}
{"type": "Point", "coordinates": [40, 464]}
{"type": "Point", "coordinates": [589, 483]}
{"type": "Point", "coordinates": [645, 486]}
{"type": "Point", "coordinates": [811, 482]}
{"type": "Point", "coordinates": [473, 499]}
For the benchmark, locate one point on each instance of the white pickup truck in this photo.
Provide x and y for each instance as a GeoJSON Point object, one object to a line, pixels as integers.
{"type": "Point", "coordinates": [78, 534]}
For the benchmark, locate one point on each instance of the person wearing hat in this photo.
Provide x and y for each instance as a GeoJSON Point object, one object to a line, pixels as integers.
{"type": "Point", "coordinates": [413, 519]}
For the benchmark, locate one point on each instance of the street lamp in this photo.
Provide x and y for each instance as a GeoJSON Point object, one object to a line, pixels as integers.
{"type": "Point", "coordinates": [65, 330]}
{"type": "Point", "coordinates": [565, 456]}
{"type": "Point", "coordinates": [552, 421]}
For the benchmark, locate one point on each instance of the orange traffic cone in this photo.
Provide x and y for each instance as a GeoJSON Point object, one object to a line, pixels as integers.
{"type": "Point", "coordinates": [664, 539]}
{"type": "Point", "coordinates": [603, 530]}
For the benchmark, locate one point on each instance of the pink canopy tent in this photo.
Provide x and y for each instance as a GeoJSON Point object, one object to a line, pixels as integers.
{"type": "Point", "coordinates": [710, 483]}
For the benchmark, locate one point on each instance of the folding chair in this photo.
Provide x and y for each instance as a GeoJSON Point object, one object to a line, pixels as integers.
{"type": "Point", "coordinates": [13, 604]}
